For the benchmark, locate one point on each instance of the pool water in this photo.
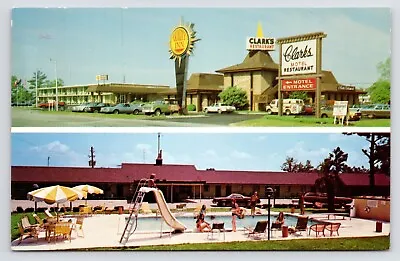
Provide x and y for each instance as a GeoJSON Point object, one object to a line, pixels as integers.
{"type": "Point", "coordinates": [154, 223]}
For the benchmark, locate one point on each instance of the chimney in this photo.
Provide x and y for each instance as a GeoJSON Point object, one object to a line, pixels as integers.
{"type": "Point", "coordinates": [159, 159]}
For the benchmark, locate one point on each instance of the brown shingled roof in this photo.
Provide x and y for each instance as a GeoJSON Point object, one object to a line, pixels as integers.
{"type": "Point", "coordinates": [205, 81]}
{"type": "Point", "coordinates": [255, 60]}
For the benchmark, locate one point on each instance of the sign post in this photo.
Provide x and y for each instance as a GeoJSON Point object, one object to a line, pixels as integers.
{"type": "Point", "coordinates": [340, 112]}
{"type": "Point", "coordinates": [181, 44]}
{"type": "Point", "coordinates": [300, 64]}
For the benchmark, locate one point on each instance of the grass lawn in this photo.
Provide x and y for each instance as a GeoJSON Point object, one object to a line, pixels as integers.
{"type": "Point", "coordinates": [309, 121]}
{"type": "Point", "coordinates": [334, 244]}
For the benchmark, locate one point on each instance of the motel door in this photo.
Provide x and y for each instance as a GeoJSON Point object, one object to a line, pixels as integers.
{"type": "Point", "coordinates": [218, 190]}
{"type": "Point", "coordinates": [122, 98]}
{"type": "Point", "coordinates": [228, 190]}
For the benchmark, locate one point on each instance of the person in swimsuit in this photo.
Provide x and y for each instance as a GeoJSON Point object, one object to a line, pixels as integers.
{"type": "Point", "coordinates": [202, 225]}
{"type": "Point", "coordinates": [253, 203]}
{"type": "Point", "coordinates": [235, 212]}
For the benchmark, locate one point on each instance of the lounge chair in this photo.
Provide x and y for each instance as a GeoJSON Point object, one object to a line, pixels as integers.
{"type": "Point", "coordinates": [317, 228]}
{"type": "Point", "coordinates": [180, 207]}
{"type": "Point", "coordinates": [145, 208]}
{"type": "Point", "coordinates": [276, 226]}
{"type": "Point", "coordinates": [27, 232]}
{"type": "Point", "coordinates": [101, 210]}
{"type": "Point", "coordinates": [63, 229]}
{"type": "Point", "coordinates": [219, 227]}
{"type": "Point", "coordinates": [301, 224]}
{"type": "Point", "coordinates": [48, 214]}
{"type": "Point", "coordinates": [259, 230]}
{"type": "Point", "coordinates": [333, 227]}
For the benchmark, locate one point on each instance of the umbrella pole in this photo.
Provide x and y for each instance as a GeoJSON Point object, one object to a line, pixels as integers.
{"type": "Point", "coordinates": [70, 206]}
{"type": "Point", "coordinates": [58, 219]}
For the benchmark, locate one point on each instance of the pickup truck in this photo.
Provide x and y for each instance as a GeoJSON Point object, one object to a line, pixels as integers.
{"type": "Point", "coordinates": [160, 107]}
{"type": "Point", "coordinates": [46, 105]}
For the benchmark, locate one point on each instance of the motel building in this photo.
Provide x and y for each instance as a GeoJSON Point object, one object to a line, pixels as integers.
{"type": "Point", "coordinates": [257, 74]}
{"type": "Point", "coordinates": [202, 90]}
{"type": "Point", "coordinates": [181, 182]}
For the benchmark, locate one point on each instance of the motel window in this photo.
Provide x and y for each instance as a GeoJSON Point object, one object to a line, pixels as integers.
{"type": "Point", "coordinates": [206, 188]}
{"type": "Point", "coordinates": [289, 188]}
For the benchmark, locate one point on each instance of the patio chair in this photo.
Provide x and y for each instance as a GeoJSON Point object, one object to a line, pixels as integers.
{"type": "Point", "coordinates": [26, 224]}
{"type": "Point", "coordinates": [317, 228]}
{"type": "Point", "coordinates": [27, 232]}
{"type": "Point", "coordinates": [333, 227]}
{"type": "Point", "coordinates": [40, 222]}
{"type": "Point", "coordinates": [219, 227]}
{"type": "Point", "coordinates": [79, 225]}
{"type": "Point", "coordinates": [63, 229]}
{"type": "Point", "coordinates": [145, 208]}
{"type": "Point", "coordinates": [301, 225]}
{"type": "Point", "coordinates": [259, 230]}
{"type": "Point", "coordinates": [180, 207]}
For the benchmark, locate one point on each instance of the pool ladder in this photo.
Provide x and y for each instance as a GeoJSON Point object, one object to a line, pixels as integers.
{"type": "Point", "coordinates": [134, 207]}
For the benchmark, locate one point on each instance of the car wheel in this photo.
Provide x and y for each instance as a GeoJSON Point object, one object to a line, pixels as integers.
{"type": "Point", "coordinates": [206, 111]}
{"type": "Point", "coordinates": [269, 111]}
{"type": "Point", "coordinates": [96, 111]}
{"type": "Point", "coordinates": [116, 112]}
{"type": "Point", "coordinates": [135, 112]}
{"type": "Point", "coordinates": [287, 112]}
{"type": "Point", "coordinates": [371, 116]}
{"type": "Point", "coordinates": [219, 111]}
{"type": "Point", "coordinates": [324, 115]}
{"type": "Point", "coordinates": [157, 112]}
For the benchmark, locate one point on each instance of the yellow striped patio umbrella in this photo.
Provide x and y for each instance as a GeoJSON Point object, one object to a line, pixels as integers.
{"type": "Point", "coordinates": [89, 189]}
{"type": "Point", "coordinates": [55, 194]}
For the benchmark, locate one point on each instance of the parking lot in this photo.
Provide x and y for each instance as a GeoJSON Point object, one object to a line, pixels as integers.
{"type": "Point", "coordinates": [24, 117]}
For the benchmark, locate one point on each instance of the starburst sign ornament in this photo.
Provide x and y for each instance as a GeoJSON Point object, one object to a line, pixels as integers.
{"type": "Point", "coordinates": [181, 42]}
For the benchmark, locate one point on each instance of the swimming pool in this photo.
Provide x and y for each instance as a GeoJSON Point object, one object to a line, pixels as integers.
{"type": "Point", "coordinates": [154, 223]}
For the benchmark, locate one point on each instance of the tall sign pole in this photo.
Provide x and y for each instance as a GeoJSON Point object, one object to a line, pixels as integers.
{"type": "Point", "coordinates": [300, 66]}
{"type": "Point", "coordinates": [181, 45]}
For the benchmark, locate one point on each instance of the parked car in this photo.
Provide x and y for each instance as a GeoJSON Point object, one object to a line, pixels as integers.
{"type": "Point", "coordinates": [46, 105]}
{"type": "Point", "coordinates": [289, 106]}
{"type": "Point", "coordinates": [159, 107]}
{"type": "Point", "coordinates": [80, 108]}
{"type": "Point", "coordinates": [220, 108]}
{"type": "Point", "coordinates": [327, 112]}
{"type": "Point", "coordinates": [309, 109]}
{"type": "Point", "coordinates": [122, 108]}
{"type": "Point", "coordinates": [376, 111]}
{"type": "Point", "coordinates": [96, 106]}
{"type": "Point", "coordinates": [227, 201]}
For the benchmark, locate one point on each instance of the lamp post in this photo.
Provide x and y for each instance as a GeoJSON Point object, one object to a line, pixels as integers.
{"type": "Point", "coordinates": [55, 69]}
{"type": "Point", "coordinates": [269, 193]}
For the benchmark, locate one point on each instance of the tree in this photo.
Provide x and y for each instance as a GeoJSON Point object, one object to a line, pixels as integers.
{"type": "Point", "coordinates": [330, 169]}
{"type": "Point", "coordinates": [299, 95]}
{"type": "Point", "coordinates": [289, 165]}
{"type": "Point", "coordinates": [18, 91]}
{"type": "Point", "coordinates": [378, 155]}
{"type": "Point", "coordinates": [234, 96]}
{"type": "Point", "coordinates": [41, 79]}
{"type": "Point", "coordinates": [380, 90]}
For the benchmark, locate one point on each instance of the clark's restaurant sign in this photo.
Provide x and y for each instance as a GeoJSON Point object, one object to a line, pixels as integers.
{"type": "Point", "coordinates": [299, 58]}
{"type": "Point", "coordinates": [257, 43]}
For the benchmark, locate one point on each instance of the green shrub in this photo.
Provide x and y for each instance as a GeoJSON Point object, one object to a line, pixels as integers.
{"type": "Point", "coordinates": [191, 107]}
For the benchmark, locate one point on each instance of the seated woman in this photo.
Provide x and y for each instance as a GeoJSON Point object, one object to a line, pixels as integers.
{"type": "Point", "coordinates": [201, 225]}
{"type": "Point", "coordinates": [280, 219]}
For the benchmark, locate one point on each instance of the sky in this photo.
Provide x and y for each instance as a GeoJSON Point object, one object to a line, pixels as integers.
{"type": "Point", "coordinates": [222, 151]}
{"type": "Point", "coordinates": [132, 43]}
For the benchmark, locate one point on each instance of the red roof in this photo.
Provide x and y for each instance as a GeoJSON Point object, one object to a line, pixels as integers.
{"type": "Point", "coordinates": [362, 179]}
{"type": "Point", "coordinates": [129, 173]}
{"type": "Point", "coordinates": [258, 177]}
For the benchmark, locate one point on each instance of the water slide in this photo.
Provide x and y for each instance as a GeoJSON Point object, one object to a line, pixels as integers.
{"type": "Point", "coordinates": [164, 210]}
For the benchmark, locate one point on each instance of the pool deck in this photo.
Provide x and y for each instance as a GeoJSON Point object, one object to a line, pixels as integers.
{"type": "Point", "coordinates": [106, 230]}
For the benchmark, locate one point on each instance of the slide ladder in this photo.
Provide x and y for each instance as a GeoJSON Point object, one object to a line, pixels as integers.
{"type": "Point", "coordinates": [134, 207]}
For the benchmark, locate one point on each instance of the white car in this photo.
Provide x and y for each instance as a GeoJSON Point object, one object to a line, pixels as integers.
{"type": "Point", "coordinates": [80, 108]}
{"type": "Point", "coordinates": [220, 108]}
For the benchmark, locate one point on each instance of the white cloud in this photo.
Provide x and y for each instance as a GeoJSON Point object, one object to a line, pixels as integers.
{"type": "Point", "coordinates": [262, 138]}
{"type": "Point", "coordinates": [142, 146]}
{"type": "Point", "coordinates": [60, 154]}
{"type": "Point", "coordinates": [335, 137]}
{"type": "Point", "coordinates": [52, 147]}
{"type": "Point", "coordinates": [240, 155]}
{"type": "Point", "coordinates": [302, 153]}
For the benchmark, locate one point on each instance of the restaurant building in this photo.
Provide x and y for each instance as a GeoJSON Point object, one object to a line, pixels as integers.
{"type": "Point", "coordinates": [257, 76]}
